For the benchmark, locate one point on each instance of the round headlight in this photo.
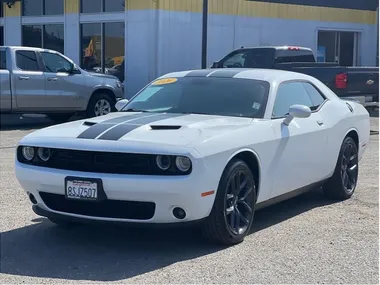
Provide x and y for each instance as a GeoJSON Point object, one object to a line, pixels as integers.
{"type": "Point", "coordinates": [44, 154]}
{"type": "Point", "coordinates": [163, 162]}
{"type": "Point", "coordinates": [28, 152]}
{"type": "Point", "coordinates": [183, 163]}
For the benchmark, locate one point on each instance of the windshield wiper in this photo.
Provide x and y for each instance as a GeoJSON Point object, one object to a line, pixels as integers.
{"type": "Point", "coordinates": [195, 113]}
{"type": "Point", "coordinates": [135, 110]}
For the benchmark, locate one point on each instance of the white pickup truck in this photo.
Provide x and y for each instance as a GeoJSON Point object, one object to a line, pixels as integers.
{"type": "Point", "coordinates": [42, 81]}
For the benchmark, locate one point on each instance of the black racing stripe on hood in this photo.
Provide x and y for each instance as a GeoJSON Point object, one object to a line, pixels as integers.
{"type": "Point", "coordinates": [121, 130]}
{"type": "Point", "coordinates": [199, 73]}
{"type": "Point", "coordinates": [97, 129]}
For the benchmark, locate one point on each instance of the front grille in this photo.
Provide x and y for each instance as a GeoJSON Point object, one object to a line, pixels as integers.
{"type": "Point", "coordinates": [102, 162]}
{"type": "Point", "coordinates": [104, 209]}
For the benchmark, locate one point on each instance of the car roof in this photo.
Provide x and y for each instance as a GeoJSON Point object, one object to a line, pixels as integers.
{"type": "Point", "coordinates": [270, 75]}
{"type": "Point", "coordinates": [25, 48]}
{"type": "Point", "coordinates": [276, 47]}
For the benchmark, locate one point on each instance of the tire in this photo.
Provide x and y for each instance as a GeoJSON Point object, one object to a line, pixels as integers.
{"type": "Point", "coordinates": [97, 101]}
{"type": "Point", "coordinates": [342, 184]}
{"type": "Point", "coordinates": [62, 222]}
{"type": "Point", "coordinates": [60, 118]}
{"type": "Point", "coordinates": [220, 226]}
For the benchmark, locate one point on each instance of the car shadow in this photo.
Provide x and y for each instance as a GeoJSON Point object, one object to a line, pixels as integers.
{"type": "Point", "coordinates": [11, 122]}
{"type": "Point", "coordinates": [111, 253]}
{"type": "Point", "coordinates": [373, 112]}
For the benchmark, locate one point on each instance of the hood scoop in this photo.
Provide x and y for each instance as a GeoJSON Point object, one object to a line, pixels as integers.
{"type": "Point", "coordinates": [156, 128]}
{"type": "Point", "coordinates": [89, 123]}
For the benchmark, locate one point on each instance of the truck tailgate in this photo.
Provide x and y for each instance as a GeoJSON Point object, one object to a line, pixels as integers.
{"type": "Point", "coordinates": [362, 80]}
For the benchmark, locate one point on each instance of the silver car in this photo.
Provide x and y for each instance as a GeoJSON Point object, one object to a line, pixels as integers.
{"type": "Point", "coordinates": [43, 81]}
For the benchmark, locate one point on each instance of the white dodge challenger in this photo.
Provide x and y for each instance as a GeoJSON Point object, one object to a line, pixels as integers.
{"type": "Point", "coordinates": [210, 146]}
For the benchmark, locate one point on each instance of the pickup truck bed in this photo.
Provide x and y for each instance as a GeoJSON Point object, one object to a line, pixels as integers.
{"type": "Point", "coordinates": [359, 83]}
{"type": "Point", "coordinates": [355, 83]}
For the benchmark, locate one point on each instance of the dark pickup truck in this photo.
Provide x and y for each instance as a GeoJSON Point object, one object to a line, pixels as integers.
{"type": "Point", "coordinates": [354, 83]}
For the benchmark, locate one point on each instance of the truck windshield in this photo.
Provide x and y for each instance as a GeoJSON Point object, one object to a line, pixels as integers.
{"type": "Point", "coordinates": [210, 96]}
{"type": "Point", "coordinates": [250, 58]}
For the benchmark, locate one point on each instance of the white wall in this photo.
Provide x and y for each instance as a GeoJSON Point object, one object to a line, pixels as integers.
{"type": "Point", "coordinates": [141, 49]}
{"type": "Point", "coordinates": [12, 31]}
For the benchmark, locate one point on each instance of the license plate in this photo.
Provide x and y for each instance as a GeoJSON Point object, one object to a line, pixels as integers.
{"type": "Point", "coordinates": [82, 189]}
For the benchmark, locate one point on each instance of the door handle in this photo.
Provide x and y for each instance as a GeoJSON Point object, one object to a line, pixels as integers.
{"type": "Point", "coordinates": [23, 77]}
{"type": "Point", "coordinates": [52, 79]}
{"type": "Point", "coordinates": [320, 123]}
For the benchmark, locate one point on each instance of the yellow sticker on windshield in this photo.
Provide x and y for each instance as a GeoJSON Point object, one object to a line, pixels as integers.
{"type": "Point", "coordinates": [165, 81]}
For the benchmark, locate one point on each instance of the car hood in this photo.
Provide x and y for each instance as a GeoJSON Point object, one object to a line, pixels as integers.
{"type": "Point", "coordinates": [145, 128]}
{"type": "Point", "coordinates": [102, 75]}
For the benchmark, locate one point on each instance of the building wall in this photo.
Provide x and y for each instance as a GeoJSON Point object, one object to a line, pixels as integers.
{"type": "Point", "coordinates": [237, 23]}
{"type": "Point", "coordinates": [165, 35]}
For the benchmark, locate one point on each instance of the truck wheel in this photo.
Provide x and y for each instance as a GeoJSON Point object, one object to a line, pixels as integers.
{"type": "Point", "coordinates": [342, 184]}
{"type": "Point", "coordinates": [60, 118]}
{"type": "Point", "coordinates": [232, 214]}
{"type": "Point", "coordinates": [100, 104]}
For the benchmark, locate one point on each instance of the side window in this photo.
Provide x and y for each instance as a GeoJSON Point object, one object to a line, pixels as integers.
{"type": "Point", "coordinates": [236, 60]}
{"type": "Point", "coordinates": [3, 60]}
{"type": "Point", "coordinates": [55, 63]}
{"type": "Point", "coordinates": [27, 60]}
{"type": "Point", "coordinates": [316, 97]}
{"type": "Point", "coordinates": [289, 94]}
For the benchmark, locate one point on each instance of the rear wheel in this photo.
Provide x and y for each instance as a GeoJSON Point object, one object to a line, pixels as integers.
{"type": "Point", "coordinates": [233, 211]}
{"type": "Point", "coordinates": [342, 184]}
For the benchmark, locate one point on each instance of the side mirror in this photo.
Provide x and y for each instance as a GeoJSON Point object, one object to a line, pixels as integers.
{"type": "Point", "coordinates": [121, 103]}
{"type": "Point", "coordinates": [297, 111]}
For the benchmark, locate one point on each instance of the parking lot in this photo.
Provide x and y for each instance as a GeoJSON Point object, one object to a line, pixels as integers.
{"type": "Point", "coordinates": [304, 240]}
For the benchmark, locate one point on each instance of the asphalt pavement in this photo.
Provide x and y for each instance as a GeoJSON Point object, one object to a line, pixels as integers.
{"type": "Point", "coordinates": [304, 240]}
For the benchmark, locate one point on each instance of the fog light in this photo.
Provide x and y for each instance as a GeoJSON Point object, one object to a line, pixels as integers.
{"type": "Point", "coordinates": [163, 162]}
{"type": "Point", "coordinates": [179, 213]}
{"type": "Point", "coordinates": [183, 163]}
{"type": "Point", "coordinates": [28, 152]}
{"type": "Point", "coordinates": [44, 154]}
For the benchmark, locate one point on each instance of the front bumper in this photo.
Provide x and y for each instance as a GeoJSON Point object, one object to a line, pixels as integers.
{"type": "Point", "coordinates": [133, 192]}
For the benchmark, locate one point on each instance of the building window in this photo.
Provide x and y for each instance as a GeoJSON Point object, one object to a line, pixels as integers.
{"type": "Point", "coordinates": [32, 36]}
{"type": "Point", "coordinates": [1, 36]}
{"type": "Point", "coordinates": [102, 47]}
{"type": "Point", "coordinates": [1, 10]}
{"type": "Point", "coordinates": [91, 45]}
{"type": "Point", "coordinates": [44, 36]}
{"type": "Point", "coordinates": [98, 6]}
{"type": "Point", "coordinates": [42, 7]}
{"type": "Point", "coordinates": [54, 37]}
{"type": "Point", "coordinates": [338, 46]}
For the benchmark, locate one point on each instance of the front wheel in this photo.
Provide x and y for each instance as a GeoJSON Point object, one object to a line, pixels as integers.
{"type": "Point", "coordinates": [342, 184]}
{"type": "Point", "coordinates": [233, 211]}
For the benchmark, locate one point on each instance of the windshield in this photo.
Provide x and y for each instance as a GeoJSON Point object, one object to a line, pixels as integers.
{"type": "Point", "coordinates": [196, 95]}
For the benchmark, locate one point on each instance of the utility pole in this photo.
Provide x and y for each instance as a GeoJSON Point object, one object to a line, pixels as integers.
{"type": "Point", "coordinates": [204, 34]}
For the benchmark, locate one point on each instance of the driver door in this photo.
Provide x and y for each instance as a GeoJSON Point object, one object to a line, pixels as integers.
{"type": "Point", "coordinates": [299, 159]}
{"type": "Point", "coordinates": [62, 89]}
